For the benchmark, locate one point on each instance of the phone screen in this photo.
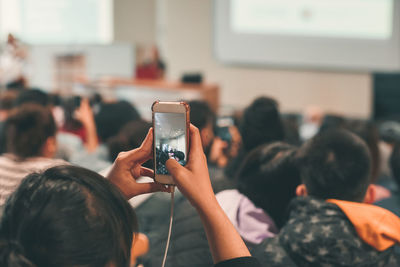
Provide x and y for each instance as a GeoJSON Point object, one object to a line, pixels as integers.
{"type": "Point", "coordinates": [170, 139]}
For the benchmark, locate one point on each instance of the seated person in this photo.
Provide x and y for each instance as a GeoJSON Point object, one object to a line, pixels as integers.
{"type": "Point", "coordinates": [88, 222]}
{"type": "Point", "coordinates": [329, 225]}
{"type": "Point", "coordinates": [267, 182]}
{"type": "Point", "coordinates": [393, 203]}
{"type": "Point", "coordinates": [109, 120]}
{"type": "Point", "coordinates": [30, 146]}
{"type": "Point", "coordinates": [261, 124]}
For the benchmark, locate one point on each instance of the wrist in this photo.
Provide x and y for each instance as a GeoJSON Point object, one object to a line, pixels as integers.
{"type": "Point", "coordinates": [207, 206]}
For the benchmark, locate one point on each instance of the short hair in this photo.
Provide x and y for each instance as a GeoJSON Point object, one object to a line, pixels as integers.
{"type": "Point", "coordinates": [335, 164]}
{"type": "Point", "coordinates": [66, 216]}
{"type": "Point", "coordinates": [201, 114]}
{"type": "Point", "coordinates": [261, 123]}
{"type": "Point", "coordinates": [32, 96]}
{"type": "Point", "coordinates": [395, 163]}
{"type": "Point", "coordinates": [27, 130]}
{"type": "Point", "coordinates": [112, 117]}
{"type": "Point", "coordinates": [130, 137]}
{"type": "Point", "coordinates": [269, 178]}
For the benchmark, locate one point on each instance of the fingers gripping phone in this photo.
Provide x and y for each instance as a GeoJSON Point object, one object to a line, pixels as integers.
{"type": "Point", "coordinates": [171, 128]}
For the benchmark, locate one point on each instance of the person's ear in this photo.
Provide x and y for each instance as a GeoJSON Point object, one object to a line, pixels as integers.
{"type": "Point", "coordinates": [49, 148]}
{"type": "Point", "coordinates": [370, 196]}
{"type": "Point", "coordinates": [301, 190]}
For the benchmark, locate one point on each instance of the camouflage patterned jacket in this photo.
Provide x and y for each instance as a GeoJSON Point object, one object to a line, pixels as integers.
{"type": "Point", "coordinates": [319, 234]}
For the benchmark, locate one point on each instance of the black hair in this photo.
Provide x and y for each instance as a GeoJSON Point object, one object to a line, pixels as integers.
{"type": "Point", "coordinates": [332, 122]}
{"type": "Point", "coordinates": [261, 123]}
{"type": "Point", "coordinates": [130, 137]}
{"type": "Point", "coordinates": [27, 130]}
{"type": "Point", "coordinates": [112, 117]}
{"type": "Point", "coordinates": [66, 216]}
{"type": "Point", "coordinates": [269, 177]}
{"type": "Point", "coordinates": [32, 96]}
{"type": "Point", "coordinates": [291, 128]}
{"type": "Point", "coordinates": [335, 164]}
{"type": "Point", "coordinates": [55, 99]}
{"type": "Point", "coordinates": [201, 114]}
{"type": "Point", "coordinates": [368, 132]}
{"type": "Point", "coordinates": [395, 163]}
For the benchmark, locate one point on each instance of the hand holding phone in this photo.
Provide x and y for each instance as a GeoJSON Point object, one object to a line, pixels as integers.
{"type": "Point", "coordinates": [193, 180]}
{"type": "Point", "coordinates": [170, 123]}
{"type": "Point", "coordinates": [128, 167]}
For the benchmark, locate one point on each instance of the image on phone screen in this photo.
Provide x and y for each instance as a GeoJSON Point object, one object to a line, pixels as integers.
{"type": "Point", "coordinates": [170, 139]}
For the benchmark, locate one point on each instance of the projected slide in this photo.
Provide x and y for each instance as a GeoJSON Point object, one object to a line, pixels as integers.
{"type": "Point", "coordinates": [361, 19]}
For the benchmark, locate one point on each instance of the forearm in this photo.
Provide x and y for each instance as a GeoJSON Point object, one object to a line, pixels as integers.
{"type": "Point", "coordinates": [224, 241]}
{"type": "Point", "coordinates": [91, 136]}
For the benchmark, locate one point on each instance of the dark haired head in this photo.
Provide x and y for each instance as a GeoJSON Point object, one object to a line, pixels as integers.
{"type": "Point", "coordinates": [27, 130]}
{"type": "Point", "coordinates": [368, 132]}
{"type": "Point", "coordinates": [201, 114]}
{"type": "Point", "coordinates": [395, 163]}
{"type": "Point", "coordinates": [130, 137]}
{"type": "Point", "coordinates": [261, 123]}
{"type": "Point", "coordinates": [269, 177]}
{"type": "Point", "coordinates": [32, 96]}
{"type": "Point", "coordinates": [66, 216]}
{"type": "Point", "coordinates": [335, 164]}
{"type": "Point", "coordinates": [112, 117]}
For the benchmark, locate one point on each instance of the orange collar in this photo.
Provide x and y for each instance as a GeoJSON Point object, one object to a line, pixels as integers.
{"type": "Point", "coordinates": [377, 226]}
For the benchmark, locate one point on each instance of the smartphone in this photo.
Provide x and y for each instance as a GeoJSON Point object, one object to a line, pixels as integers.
{"type": "Point", "coordinates": [171, 130]}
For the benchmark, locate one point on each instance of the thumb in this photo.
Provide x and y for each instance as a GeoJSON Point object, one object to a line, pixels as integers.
{"type": "Point", "coordinates": [175, 169]}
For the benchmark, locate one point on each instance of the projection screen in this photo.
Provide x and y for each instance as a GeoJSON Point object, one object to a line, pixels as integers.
{"type": "Point", "coordinates": [361, 35]}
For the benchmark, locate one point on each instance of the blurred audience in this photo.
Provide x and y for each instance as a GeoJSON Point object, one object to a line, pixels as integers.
{"type": "Point", "coordinates": [89, 222]}
{"type": "Point", "coordinates": [307, 206]}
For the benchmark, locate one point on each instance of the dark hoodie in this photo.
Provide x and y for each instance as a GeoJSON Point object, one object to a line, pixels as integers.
{"type": "Point", "coordinates": [319, 233]}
